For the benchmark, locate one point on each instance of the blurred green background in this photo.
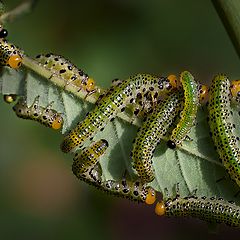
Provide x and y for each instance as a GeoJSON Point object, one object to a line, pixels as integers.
{"type": "Point", "coordinates": [39, 196]}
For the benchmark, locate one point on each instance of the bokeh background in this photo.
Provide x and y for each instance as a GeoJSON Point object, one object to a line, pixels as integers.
{"type": "Point", "coordinates": [39, 196]}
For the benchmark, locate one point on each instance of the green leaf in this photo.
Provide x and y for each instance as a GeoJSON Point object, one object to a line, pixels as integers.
{"type": "Point", "coordinates": [195, 165]}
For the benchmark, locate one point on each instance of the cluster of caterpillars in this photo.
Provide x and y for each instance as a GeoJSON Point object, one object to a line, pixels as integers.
{"type": "Point", "coordinates": [160, 100]}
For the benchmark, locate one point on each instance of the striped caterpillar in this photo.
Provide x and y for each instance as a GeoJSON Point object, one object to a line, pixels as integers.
{"type": "Point", "coordinates": [212, 210]}
{"type": "Point", "coordinates": [10, 55]}
{"type": "Point", "coordinates": [86, 167]}
{"type": "Point", "coordinates": [189, 112]}
{"type": "Point", "coordinates": [111, 104]}
{"type": "Point", "coordinates": [221, 126]}
{"type": "Point", "coordinates": [67, 71]}
{"type": "Point", "coordinates": [150, 133]}
{"type": "Point", "coordinates": [45, 115]}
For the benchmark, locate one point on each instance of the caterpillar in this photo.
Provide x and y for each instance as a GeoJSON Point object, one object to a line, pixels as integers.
{"type": "Point", "coordinates": [150, 133]}
{"type": "Point", "coordinates": [45, 115]}
{"type": "Point", "coordinates": [212, 210]}
{"type": "Point", "coordinates": [221, 126]}
{"type": "Point", "coordinates": [189, 112]}
{"type": "Point", "coordinates": [67, 71]}
{"type": "Point", "coordinates": [112, 103]}
{"type": "Point", "coordinates": [9, 98]}
{"type": "Point", "coordinates": [10, 55]}
{"type": "Point", "coordinates": [86, 167]}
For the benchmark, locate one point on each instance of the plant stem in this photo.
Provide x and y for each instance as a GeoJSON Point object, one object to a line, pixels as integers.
{"type": "Point", "coordinates": [229, 12]}
{"type": "Point", "coordinates": [23, 8]}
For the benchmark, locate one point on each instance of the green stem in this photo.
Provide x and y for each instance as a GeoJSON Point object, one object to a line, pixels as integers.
{"type": "Point", "coordinates": [229, 12]}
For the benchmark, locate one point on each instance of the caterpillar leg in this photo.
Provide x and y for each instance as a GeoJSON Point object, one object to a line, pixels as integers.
{"type": "Point", "coordinates": [188, 138]}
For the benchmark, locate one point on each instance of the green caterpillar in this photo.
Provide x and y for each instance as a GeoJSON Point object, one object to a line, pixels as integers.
{"type": "Point", "coordinates": [189, 112]}
{"type": "Point", "coordinates": [221, 126]}
{"type": "Point", "coordinates": [68, 72]}
{"type": "Point", "coordinates": [211, 210]}
{"type": "Point", "coordinates": [86, 167]}
{"type": "Point", "coordinates": [150, 133]}
{"type": "Point", "coordinates": [45, 115]}
{"type": "Point", "coordinates": [111, 104]}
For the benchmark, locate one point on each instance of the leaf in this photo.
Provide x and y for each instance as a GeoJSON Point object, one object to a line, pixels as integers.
{"type": "Point", "coordinates": [195, 165]}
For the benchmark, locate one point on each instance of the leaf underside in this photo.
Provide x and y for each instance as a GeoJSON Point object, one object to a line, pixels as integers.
{"type": "Point", "coordinates": [194, 165]}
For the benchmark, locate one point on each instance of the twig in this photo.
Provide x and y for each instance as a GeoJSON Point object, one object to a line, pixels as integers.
{"type": "Point", "coordinates": [23, 8]}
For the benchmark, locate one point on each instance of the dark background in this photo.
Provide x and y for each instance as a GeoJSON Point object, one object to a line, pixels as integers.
{"type": "Point", "coordinates": [39, 196]}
